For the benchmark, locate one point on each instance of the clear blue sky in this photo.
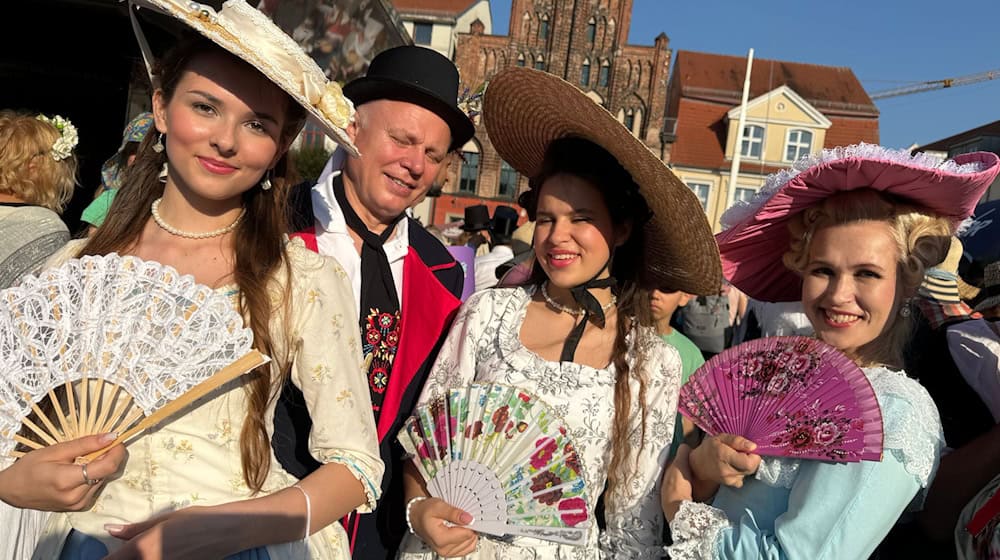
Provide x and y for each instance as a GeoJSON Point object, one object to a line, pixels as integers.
{"type": "Point", "coordinates": [887, 43]}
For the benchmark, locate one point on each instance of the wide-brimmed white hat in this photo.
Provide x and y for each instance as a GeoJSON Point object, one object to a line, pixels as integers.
{"type": "Point", "coordinates": [254, 38]}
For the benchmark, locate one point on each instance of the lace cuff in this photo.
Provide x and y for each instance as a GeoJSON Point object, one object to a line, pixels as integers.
{"type": "Point", "coordinates": [777, 472]}
{"type": "Point", "coordinates": [372, 492]}
{"type": "Point", "coordinates": [695, 530]}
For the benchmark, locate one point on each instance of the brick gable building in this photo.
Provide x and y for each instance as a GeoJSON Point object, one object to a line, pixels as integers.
{"type": "Point", "coordinates": [583, 42]}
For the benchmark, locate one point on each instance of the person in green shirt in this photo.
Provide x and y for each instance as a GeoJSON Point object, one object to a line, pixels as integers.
{"type": "Point", "coordinates": [663, 304]}
{"type": "Point", "coordinates": [114, 168]}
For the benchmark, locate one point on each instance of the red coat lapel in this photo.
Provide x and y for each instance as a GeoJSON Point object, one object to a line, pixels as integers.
{"type": "Point", "coordinates": [428, 308]}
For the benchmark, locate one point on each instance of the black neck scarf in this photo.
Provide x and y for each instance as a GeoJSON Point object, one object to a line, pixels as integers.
{"type": "Point", "coordinates": [379, 302]}
{"type": "Point", "coordinates": [592, 310]}
{"type": "Point", "coordinates": [378, 289]}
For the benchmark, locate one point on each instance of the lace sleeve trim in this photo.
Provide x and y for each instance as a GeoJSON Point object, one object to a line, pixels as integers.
{"type": "Point", "coordinates": [911, 433]}
{"type": "Point", "coordinates": [695, 530]}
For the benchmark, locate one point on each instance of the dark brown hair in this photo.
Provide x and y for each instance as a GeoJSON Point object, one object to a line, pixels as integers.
{"type": "Point", "coordinates": [259, 247]}
{"type": "Point", "coordinates": [588, 161]}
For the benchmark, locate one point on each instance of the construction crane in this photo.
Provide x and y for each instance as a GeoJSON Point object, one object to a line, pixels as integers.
{"type": "Point", "coordinates": [937, 84]}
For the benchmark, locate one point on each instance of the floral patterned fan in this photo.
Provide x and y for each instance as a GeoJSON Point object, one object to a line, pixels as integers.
{"type": "Point", "coordinates": [793, 396]}
{"type": "Point", "coordinates": [501, 455]}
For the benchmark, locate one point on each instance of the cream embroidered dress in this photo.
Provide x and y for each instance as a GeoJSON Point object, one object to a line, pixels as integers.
{"type": "Point", "coordinates": [194, 458]}
{"type": "Point", "coordinates": [484, 345]}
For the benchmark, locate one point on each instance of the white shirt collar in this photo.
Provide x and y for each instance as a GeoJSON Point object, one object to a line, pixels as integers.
{"type": "Point", "coordinates": [330, 218]}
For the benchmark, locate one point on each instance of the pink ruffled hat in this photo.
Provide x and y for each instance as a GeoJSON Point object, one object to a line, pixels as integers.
{"type": "Point", "coordinates": [756, 231]}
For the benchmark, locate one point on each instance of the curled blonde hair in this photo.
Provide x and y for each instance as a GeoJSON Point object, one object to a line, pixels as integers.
{"type": "Point", "coordinates": [922, 240]}
{"type": "Point", "coordinates": [27, 169]}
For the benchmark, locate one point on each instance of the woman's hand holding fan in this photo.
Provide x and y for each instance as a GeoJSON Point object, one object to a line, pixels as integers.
{"type": "Point", "coordinates": [793, 397]}
{"type": "Point", "coordinates": [501, 455]}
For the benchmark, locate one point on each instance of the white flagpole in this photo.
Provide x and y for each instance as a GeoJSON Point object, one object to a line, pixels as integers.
{"type": "Point", "coordinates": [734, 171]}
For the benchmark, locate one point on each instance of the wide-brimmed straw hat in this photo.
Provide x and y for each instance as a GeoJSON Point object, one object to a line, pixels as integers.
{"type": "Point", "coordinates": [255, 39]}
{"type": "Point", "coordinates": [756, 232]}
{"type": "Point", "coordinates": [525, 110]}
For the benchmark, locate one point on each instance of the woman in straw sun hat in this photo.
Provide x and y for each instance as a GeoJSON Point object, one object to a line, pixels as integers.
{"type": "Point", "coordinates": [206, 196]}
{"type": "Point", "coordinates": [849, 232]}
{"type": "Point", "coordinates": [610, 221]}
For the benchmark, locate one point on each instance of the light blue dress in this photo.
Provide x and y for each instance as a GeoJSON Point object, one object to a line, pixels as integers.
{"type": "Point", "coordinates": [820, 510]}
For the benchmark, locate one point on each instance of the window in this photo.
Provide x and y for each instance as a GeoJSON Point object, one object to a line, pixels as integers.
{"type": "Point", "coordinates": [743, 194]}
{"type": "Point", "coordinates": [602, 77]}
{"type": "Point", "coordinates": [508, 181]}
{"type": "Point", "coordinates": [470, 172]}
{"type": "Point", "coordinates": [701, 190]}
{"type": "Point", "coordinates": [629, 119]}
{"type": "Point", "coordinates": [591, 31]}
{"type": "Point", "coordinates": [422, 33]}
{"type": "Point", "coordinates": [543, 28]}
{"type": "Point", "coordinates": [539, 63]}
{"type": "Point", "coordinates": [585, 73]}
{"type": "Point", "coordinates": [520, 60]}
{"type": "Point", "coordinates": [752, 142]}
{"type": "Point", "coordinates": [799, 144]}
{"type": "Point", "coordinates": [312, 136]}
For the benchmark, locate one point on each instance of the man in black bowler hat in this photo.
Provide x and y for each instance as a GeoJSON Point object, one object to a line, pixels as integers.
{"type": "Point", "coordinates": [406, 284]}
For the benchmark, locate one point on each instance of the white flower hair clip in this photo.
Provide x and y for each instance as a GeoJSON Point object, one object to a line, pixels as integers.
{"type": "Point", "coordinates": [68, 137]}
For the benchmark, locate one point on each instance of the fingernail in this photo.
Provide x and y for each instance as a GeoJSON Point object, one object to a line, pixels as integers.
{"type": "Point", "coordinates": [466, 518]}
{"type": "Point", "coordinates": [108, 437]}
{"type": "Point", "coordinates": [112, 528]}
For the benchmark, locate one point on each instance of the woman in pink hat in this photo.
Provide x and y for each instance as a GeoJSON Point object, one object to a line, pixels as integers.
{"type": "Point", "coordinates": [849, 233]}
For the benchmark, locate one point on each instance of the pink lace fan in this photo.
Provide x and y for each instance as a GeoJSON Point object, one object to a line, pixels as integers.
{"type": "Point", "coordinates": [793, 396]}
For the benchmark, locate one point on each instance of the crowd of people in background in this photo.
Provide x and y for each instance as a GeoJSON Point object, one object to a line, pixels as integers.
{"type": "Point", "coordinates": [602, 292]}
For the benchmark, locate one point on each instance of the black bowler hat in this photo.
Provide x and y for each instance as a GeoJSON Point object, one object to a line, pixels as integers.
{"type": "Point", "coordinates": [415, 75]}
{"type": "Point", "coordinates": [477, 218]}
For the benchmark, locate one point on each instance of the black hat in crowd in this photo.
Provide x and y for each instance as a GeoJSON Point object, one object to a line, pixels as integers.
{"type": "Point", "coordinates": [477, 218]}
{"type": "Point", "coordinates": [504, 224]}
{"type": "Point", "coordinates": [415, 75]}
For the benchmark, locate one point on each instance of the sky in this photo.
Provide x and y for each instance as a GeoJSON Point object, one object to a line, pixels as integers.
{"type": "Point", "coordinates": [887, 43]}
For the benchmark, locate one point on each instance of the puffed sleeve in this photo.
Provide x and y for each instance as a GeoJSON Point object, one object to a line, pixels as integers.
{"type": "Point", "coordinates": [455, 365]}
{"type": "Point", "coordinates": [835, 510]}
{"type": "Point", "coordinates": [327, 368]}
{"type": "Point", "coordinates": [635, 525]}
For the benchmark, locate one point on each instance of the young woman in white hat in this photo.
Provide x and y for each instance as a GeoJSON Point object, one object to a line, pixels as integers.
{"type": "Point", "coordinates": [206, 196]}
{"type": "Point", "coordinates": [611, 220]}
{"type": "Point", "coordinates": [849, 232]}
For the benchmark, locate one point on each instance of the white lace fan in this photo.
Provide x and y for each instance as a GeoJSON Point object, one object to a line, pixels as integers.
{"type": "Point", "coordinates": [110, 343]}
{"type": "Point", "coordinates": [504, 457]}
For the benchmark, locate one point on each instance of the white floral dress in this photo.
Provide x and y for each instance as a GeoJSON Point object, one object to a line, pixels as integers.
{"type": "Point", "coordinates": [194, 458]}
{"type": "Point", "coordinates": [484, 345]}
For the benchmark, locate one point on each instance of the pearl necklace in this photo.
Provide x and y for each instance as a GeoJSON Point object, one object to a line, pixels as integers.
{"type": "Point", "coordinates": [155, 210]}
{"type": "Point", "coordinates": [574, 312]}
